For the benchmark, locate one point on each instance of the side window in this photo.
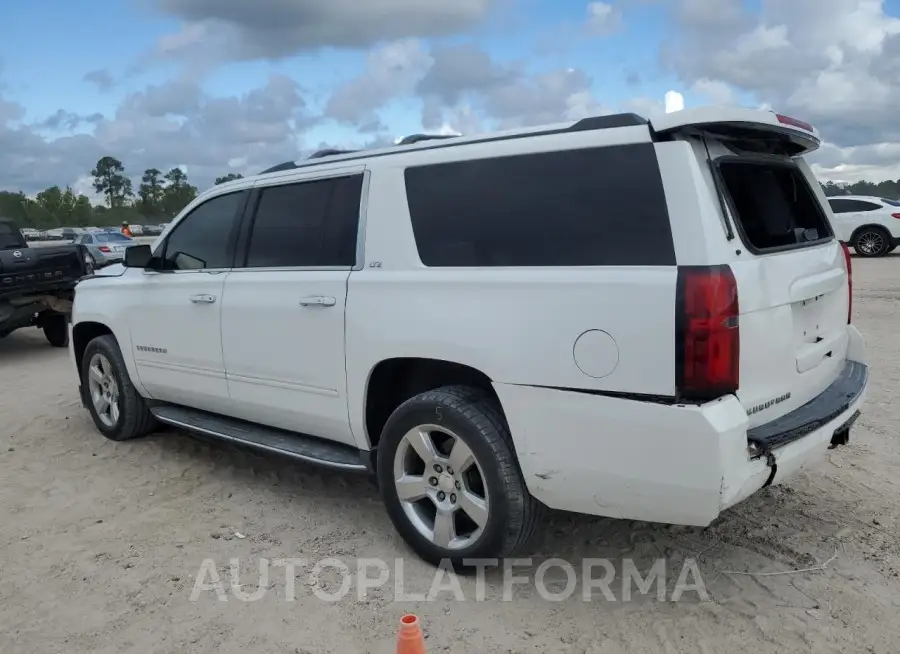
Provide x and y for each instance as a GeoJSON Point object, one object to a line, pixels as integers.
{"type": "Point", "coordinates": [201, 240]}
{"type": "Point", "coordinates": [840, 206]}
{"type": "Point", "coordinates": [585, 207]}
{"type": "Point", "coordinates": [87, 239]}
{"type": "Point", "coordinates": [306, 224]}
{"type": "Point", "coordinates": [852, 206]}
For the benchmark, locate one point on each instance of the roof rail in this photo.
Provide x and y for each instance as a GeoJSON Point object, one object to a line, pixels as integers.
{"type": "Point", "coordinates": [287, 165]}
{"type": "Point", "coordinates": [327, 152]}
{"type": "Point", "coordinates": [611, 121]}
{"type": "Point", "coordinates": [415, 138]}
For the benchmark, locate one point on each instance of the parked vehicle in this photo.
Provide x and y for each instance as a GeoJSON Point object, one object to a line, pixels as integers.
{"type": "Point", "coordinates": [37, 284]}
{"type": "Point", "coordinates": [870, 224]}
{"type": "Point", "coordinates": [615, 316]}
{"type": "Point", "coordinates": [105, 248]}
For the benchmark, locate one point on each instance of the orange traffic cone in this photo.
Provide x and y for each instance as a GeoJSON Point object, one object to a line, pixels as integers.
{"type": "Point", "coordinates": [409, 637]}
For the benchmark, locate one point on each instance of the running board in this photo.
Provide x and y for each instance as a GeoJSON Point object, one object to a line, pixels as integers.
{"type": "Point", "coordinates": [277, 441]}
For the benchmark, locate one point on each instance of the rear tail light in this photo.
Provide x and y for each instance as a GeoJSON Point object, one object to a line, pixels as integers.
{"type": "Point", "coordinates": [895, 215]}
{"type": "Point", "coordinates": [849, 267]}
{"type": "Point", "coordinates": [707, 333]}
{"type": "Point", "coordinates": [104, 248]}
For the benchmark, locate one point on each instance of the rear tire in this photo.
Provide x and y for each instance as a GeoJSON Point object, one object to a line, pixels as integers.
{"type": "Point", "coordinates": [484, 508]}
{"type": "Point", "coordinates": [872, 242]}
{"type": "Point", "coordinates": [56, 330]}
{"type": "Point", "coordinates": [105, 384]}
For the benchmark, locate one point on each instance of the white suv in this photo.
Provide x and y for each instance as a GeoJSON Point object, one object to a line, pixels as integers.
{"type": "Point", "coordinates": [646, 320]}
{"type": "Point", "coordinates": [871, 225]}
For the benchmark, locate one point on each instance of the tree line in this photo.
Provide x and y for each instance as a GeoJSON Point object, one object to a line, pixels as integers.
{"type": "Point", "coordinates": [886, 189]}
{"type": "Point", "coordinates": [159, 198]}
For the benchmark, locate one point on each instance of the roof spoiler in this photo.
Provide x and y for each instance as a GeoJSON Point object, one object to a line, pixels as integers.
{"type": "Point", "coordinates": [743, 125]}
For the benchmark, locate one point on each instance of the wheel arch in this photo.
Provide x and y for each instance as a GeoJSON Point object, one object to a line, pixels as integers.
{"type": "Point", "coordinates": [84, 331]}
{"type": "Point", "coordinates": [82, 334]}
{"type": "Point", "coordinates": [862, 228]}
{"type": "Point", "coordinates": [392, 381]}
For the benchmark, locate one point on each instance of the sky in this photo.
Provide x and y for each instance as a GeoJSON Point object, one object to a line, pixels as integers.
{"type": "Point", "coordinates": [220, 86]}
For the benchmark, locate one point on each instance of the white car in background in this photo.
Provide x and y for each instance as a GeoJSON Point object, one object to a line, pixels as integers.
{"type": "Point", "coordinates": [871, 225]}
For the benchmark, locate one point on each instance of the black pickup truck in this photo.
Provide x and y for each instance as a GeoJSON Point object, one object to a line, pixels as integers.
{"type": "Point", "coordinates": [37, 284]}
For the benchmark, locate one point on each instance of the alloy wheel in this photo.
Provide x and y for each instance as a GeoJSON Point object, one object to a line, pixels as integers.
{"type": "Point", "coordinates": [870, 243]}
{"type": "Point", "coordinates": [104, 390]}
{"type": "Point", "coordinates": [441, 487]}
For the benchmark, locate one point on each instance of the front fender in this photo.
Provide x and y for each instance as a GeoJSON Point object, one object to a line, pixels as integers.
{"type": "Point", "coordinates": [97, 300]}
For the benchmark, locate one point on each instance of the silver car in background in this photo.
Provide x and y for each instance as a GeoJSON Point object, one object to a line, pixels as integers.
{"type": "Point", "coordinates": [105, 247]}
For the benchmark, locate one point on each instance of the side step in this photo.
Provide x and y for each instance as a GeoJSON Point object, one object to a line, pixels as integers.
{"type": "Point", "coordinates": [277, 441]}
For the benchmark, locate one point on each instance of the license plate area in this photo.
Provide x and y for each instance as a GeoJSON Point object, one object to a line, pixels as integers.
{"type": "Point", "coordinates": [808, 318]}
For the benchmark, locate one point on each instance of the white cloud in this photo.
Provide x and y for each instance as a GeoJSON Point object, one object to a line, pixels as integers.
{"type": "Point", "coordinates": [603, 18]}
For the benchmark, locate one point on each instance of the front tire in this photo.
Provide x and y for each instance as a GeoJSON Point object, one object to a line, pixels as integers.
{"type": "Point", "coordinates": [118, 410]}
{"type": "Point", "coordinates": [450, 480]}
{"type": "Point", "coordinates": [872, 242]}
{"type": "Point", "coordinates": [56, 330]}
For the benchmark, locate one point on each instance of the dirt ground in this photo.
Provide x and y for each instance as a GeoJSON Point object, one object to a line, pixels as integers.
{"type": "Point", "coordinates": [101, 543]}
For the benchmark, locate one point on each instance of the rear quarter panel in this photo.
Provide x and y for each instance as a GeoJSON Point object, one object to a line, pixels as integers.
{"type": "Point", "coordinates": [516, 325]}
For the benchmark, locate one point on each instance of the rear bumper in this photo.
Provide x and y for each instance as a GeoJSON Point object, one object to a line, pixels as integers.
{"type": "Point", "coordinates": [666, 463]}
{"type": "Point", "coordinates": [823, 409]}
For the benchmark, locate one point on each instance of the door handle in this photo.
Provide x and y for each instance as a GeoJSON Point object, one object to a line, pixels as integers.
{"type": "Point", "coordinates": [203, 299]}
{"type": "Point", "coordinates": [317, 301]}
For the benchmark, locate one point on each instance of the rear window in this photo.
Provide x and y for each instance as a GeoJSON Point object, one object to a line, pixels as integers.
{"type": "Point", "coordinates": [773, 204]}
{"type": "Point", "coordinates": [586, 207]}
{"type": "Point", "coordinates": [9, 237]}
{"type": "Point", "coordinates": [893, 203]}
{"type": "Point", "coordinates": [109, 238]}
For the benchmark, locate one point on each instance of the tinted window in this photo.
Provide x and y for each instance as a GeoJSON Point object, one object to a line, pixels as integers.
{"type": "Point", "coordinates": [107, 238]}
{"type": "Point", "coordinates": [848, 206]}
{"type": "Point", "coordinates": [201, 239]}
{"type": "Point", "coordinates": [892, 203]}
{"type": "Point", "coordinates": [572, 208]}
{"type": "Point", "coordinates": [306, 224]}
{"type": "Point", "coordinates": [773, 204]}
{"type": "Point", "coordinates": [839, 206]}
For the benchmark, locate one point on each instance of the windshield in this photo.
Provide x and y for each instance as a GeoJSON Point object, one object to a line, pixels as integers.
{"type": "Point", "coordinates": [893, 203]}
{"type": "Point", "coordinates": [10, 238]}
{"type": "Point", "coordinates": [110, 238]}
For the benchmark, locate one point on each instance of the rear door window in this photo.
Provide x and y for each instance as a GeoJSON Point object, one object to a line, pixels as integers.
{"type": "Point", "coordinates": [586, 207]}
{"type": "Point", "coordinates": [773, 204]}
{"type": "Point", "coordinates": [852, 206]}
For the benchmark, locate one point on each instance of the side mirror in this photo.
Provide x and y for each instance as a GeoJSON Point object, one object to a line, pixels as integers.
{"type": "Point", "coordinates": [137, 256]}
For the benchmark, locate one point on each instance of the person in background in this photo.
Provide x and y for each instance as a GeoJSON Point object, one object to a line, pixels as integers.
{"type": "Point", "coordinates": [126, 229]}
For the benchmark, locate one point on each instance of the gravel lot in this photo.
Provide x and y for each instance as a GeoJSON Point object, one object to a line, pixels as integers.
{"type": "Point", "coordinates": [102, 543]}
